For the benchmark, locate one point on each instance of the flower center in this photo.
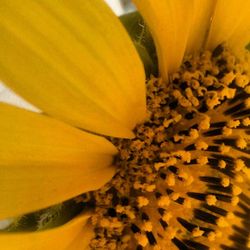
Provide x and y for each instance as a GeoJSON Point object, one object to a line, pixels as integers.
{"type": "Point", "coordinates": [183, 181]}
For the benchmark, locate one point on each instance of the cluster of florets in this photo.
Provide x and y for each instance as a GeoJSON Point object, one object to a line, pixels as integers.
{"type": "Point", "coordinates": [182, 180]}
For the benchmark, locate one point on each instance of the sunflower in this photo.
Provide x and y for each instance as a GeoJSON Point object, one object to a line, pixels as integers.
{"type": "Point", "coordinates": [169, 159]}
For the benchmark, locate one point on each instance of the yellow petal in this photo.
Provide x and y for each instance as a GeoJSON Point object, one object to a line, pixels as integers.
{"type": "Point", "coordinates": [44, 161]}
{"type": "Point", "coordinates": [203, 10]}
{"type": "Point", "coordinates": [170, 22]}
{"type": "Point", "coordinates": [241, 36]}
{"type": "Point", "coordinates": [230, 17]}
{"type": "Point", "coordinates": [54, 239]}
{"type": "Point", "coordinates": [81, 242]}
{"type": "Point", "coordinates": [75, 61]}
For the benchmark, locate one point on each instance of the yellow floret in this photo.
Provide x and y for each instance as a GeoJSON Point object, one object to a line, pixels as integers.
{"type": "Point", "coordinates": [222, 164]}
{"type": "Point", "coordinates": [225, 181]}
{"type": "Point", "coordinates": [227, 131]}
{"type": "Point", "coordinates": [211, 199]}
{"type": "Point", "coordinates": [205, 123]}
{"type": "Point", "coordinates": [241, 143]}
{"type": "Point", "coordinates": [142, 201]}
{"type": "Point", "coordinates": [224, 148]}
{"type": "Point", "coordinates": [233, 123]}
{"type": "Point", "coordinates": [196, 232]}
{"type": "Point", "coordinates": [201, 145]}
{"type": "Point", "coordinates": [141, 239]}
{"type": "Point", "coordinates": [163, 201]}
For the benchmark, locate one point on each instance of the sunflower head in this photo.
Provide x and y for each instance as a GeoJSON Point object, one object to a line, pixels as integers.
{"type": "Point", "coordinates": [183, 180]}
{"type": "Point", "coordinates": [172, 148]}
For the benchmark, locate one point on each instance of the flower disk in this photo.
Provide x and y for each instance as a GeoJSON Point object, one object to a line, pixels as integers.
{"type": "Point", "coordinates": [183, 181]}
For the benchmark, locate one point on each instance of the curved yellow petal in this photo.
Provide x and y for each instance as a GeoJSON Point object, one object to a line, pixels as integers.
{"type": "Point", "coordinates": [231, 17]}
{"type": "Point", "coordinates": [170, 23]}
{"type": "Point", "coordinates": [241, 36]}
{"type": "Point", "coordinates": [59, 238]}
{"type": "Point", "coordinates": [81, 242]}
{"type": "Point", "coordinates": [44, 161]}
{"type": "Point", "coordinates": [75, 61]}
{"type": "Point", "coordinates": [203, 10]}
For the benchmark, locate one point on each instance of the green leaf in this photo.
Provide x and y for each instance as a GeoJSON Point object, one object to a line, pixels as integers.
{"type": "Point", "coordinates": [50, 217]}
{"type": "Point", "coordinates": [140, 35]}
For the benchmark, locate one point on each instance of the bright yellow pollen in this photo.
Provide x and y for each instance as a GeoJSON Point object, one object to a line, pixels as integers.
{"type": "Point", "coordinates": [211, 199]}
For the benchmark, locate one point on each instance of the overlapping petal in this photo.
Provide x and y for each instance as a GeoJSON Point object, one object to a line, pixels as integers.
{"type": "Point", "coordinates": [81, 242]}
{"type": "Point", "coordinates": [74, 60]}
{"type": "Point", "coordinates": [170, 23]}
{"type": "Point", "coordinates": [202, 14]}
{"type": "Point", "coordinates": [62, 238]}
{"type": "Point", "coordinates": [44, 161]}
{"type": "Point", "coordinates": [182, 27]}
{"type": "Point", "coordinates": [230, 23]}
